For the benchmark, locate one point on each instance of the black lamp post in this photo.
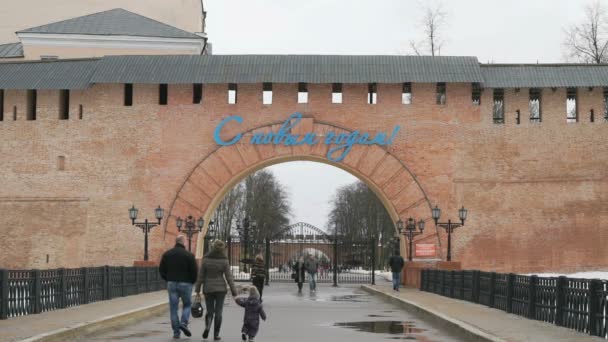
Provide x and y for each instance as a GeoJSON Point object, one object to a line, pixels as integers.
{"type": "Point", "coordinates": [190, 228]}
{"type": "Point", "coordinates": [450, 226]}
{"type": "Point", "coordinates": [410, 232]}
{"type": "Point", "coordinates": [145, 225]}
{"type": "Point", "coordinates": [211, 231]}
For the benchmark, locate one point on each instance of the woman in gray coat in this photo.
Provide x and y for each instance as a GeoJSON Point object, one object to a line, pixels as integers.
{"type": "Point", "coordinates": [213, 276]}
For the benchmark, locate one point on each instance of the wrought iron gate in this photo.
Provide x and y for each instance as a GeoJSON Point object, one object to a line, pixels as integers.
{"type": "Point", "coordinates": [341, 261]}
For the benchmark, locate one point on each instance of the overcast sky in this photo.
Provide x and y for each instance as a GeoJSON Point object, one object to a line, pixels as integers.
{"type": "Point", "coordinates": [499, 31]}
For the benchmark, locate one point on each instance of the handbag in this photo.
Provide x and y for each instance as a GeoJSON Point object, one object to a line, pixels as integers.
{"type": "Point", "coordinates": [197, 307]}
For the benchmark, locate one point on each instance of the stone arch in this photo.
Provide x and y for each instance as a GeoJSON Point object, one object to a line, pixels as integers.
{"type": "Point", "coordinates": [220, 170]}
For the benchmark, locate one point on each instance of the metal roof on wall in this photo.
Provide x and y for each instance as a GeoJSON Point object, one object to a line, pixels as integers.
{"type": "Point", "coordinates": [176, 69]}
{"type": "Point", "coordinates": [545, 76]}
{"type": "Point", "coordinates": [11, 50]}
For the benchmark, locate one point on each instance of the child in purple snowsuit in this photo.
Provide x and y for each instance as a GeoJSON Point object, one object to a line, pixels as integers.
{"type": "Point", "coordinates": [253, 312]}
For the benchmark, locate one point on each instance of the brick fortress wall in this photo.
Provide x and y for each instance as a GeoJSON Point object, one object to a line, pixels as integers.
{"type": "Point", "coordinates": [536, 193]}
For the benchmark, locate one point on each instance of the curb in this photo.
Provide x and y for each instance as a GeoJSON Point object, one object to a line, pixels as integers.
{"type": "Point", "coordinates": [101, 325]}
{"type": "Point", "coordinates": [467, 331]}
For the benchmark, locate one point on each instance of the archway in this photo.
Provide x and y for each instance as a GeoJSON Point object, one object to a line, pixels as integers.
{"type": "Point", "coordinates": [392, 181]}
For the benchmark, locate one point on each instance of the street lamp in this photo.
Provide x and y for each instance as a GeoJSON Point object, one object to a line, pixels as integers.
{"type": "Point", "coordinates": [145, 225]}
{"type": "Point", "coordinates": [245, 236]}
{"type": "Point", "coordinates": [449, 226]}
{"type": "Point", "coordinates": [190, 228]}
{"type": "Point", "coordinates": [211, 231]}
{"type": "Point", "coordinates": [410, 232]}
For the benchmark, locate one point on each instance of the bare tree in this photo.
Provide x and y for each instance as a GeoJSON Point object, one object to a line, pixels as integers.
{"type": "Point", "coordinates": [587, 41]}
{"type": "Point", "coordinates": [226, 213]}
{"type": "Point", "coordinates": [433, 22]}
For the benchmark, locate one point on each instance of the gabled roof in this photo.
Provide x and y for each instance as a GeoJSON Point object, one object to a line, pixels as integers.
{"type": "Point", "coordinates": [285, 69]}
{"type": "Point", "coordinates": [544, 75]}
{"type": "Point", "coordinates": [11, 50]}
{"type": "Point", "coordinates": [118, 22]}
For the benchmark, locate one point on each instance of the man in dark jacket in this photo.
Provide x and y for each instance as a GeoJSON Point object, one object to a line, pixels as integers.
{"type": "Point", "coordinates": [178, 267]}
{"type": "Point", "coordinates": [396, 263]}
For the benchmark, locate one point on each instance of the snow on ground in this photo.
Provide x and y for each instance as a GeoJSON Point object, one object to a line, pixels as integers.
{"type": "Point", "coordinates": [581, 275]}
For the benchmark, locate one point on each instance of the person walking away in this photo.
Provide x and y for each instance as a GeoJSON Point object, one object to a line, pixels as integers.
{"type": "Point", "coordinates": [312, 267]}
{"type": "Point", "coordinates": [212, 277]}
{"type": "Point", "coordinates": [298, 273]}
{"type": "Point", "coordinates": [258, 273]}
{"type": "Point", "coordinates": [178, 268]}
{"type": "Point", "coordinates": [396, 263]}
{"type": "Point", "coordinates": [253, 311]}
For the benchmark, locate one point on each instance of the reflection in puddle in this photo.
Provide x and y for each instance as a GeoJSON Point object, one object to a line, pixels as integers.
{"type": "Point", "coordinates": [377, 316]}
{"type": "Point", "coordinates": [348, 298]}
{"type": "Point", "coordinates": [385, 327]}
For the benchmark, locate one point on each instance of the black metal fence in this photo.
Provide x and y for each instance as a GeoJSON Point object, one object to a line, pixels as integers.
{"type": "Point", "coordinates": [26, 292]}
{"type": "Point", "coordinates": [579, 304]}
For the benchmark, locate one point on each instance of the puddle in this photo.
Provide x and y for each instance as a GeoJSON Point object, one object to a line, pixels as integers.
{"type": "Point", "coordinates": [348, 298]}
{"type": "Point", "coordinates": [138, 335]}
{"type": "Point", "coordinates": [384, 327]}
{"type": "Point", "coordinates": [377, 316]}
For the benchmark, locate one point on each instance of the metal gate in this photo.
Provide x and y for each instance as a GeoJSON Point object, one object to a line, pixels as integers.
{"type": "Point", "coordinates": [341, 261]}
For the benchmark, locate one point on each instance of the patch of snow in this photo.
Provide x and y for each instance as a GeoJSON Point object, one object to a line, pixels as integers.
{"type": "Point", "coordinates": [578, 275]}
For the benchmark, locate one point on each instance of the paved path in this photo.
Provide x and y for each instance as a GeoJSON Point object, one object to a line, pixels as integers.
{"type": "Point", "coordinates": [15, 329]}
{"type": "Point", "coordinates": [305, 317]}
{"type": "Point", "coordinates": [492, 321]}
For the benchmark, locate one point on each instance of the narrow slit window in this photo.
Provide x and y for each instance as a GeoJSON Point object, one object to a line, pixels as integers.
{"type": "Point", "coordinates": [606, 104]}
{"type": "Point", "coordinates": [406, 93]}
{"type": "Point", "coordinates": [31, 104]}
{"type": "Point", "coordinates": [267, 93]}
{"type": "Point", "coordinates": [336, 93]}
{"type": "Point", "coordinates": [591, 116]}
{"type": "Point", "coordinates": [14, 113]}
{"type": "Point", "coordinates": [518, 117]}
{"type": "Point", "coordinates": [476, 94]}
{"type": "Point", "coordinates": [535, 105]}
{"type": "Point", "coordinates": [571, 107]}
{"type": "Point", "coordinates": [128, 100]}
{"type": "Point", "coordinates": [197, 93]}
{"type": "Point", "coordinates": [1, 104]}
{"type": "Point", "coordinates": [372, 93]}
{"type": "Point", "coordinates": [64, 104]}
{"type": "Point", "coordinates": [163, 94]}
{"type": "Point", "coordinates": [302, 93]}
{"type": "Point", "coordinates": [61, 163]}
{"type": "Point", "coordinates": [232, 93]}
{"type": "Point", "coordinates": [498, 109]}
{"type": "Point", "coordinates": [80, 112]}
{"type": "Point", "coordinates": [441, 93]}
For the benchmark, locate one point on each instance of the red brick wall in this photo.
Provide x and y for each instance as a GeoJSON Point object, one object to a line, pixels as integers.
{"type": "Point", "coordinates": [536, 193]}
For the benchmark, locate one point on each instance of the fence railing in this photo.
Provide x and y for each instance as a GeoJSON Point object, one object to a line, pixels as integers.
{"type": "Point", "coordinates": [579, 304]}
{"type": "Point", "coordinates": [26, 292]}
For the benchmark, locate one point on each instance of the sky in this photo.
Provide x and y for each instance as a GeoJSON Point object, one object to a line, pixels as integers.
{"type": "Point", "coordinates": [495, 31]}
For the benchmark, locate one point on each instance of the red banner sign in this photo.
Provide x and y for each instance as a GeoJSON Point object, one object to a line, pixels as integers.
{"type": "Point", "coordinates": [425, 250]}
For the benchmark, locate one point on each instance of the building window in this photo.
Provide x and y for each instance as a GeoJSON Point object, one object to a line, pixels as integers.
{"type": "Point", "coordinates": [1, 104]}
{"type": "Point", "coordinates": [535, 107]}
{"type": "Point", "coordinates": [64, 104]}
{"type": "Point", "coordinates": [441, 93]}
{"type": "Point", "coordinates": [406, 93]}
{"type": "Point", "coordinates": [571, 110]}
{"type": "Point", "coordinates": [14, 113]}
{"type": "Point", "coordinates": [592, 116]}
{"type": "Point", "coordinates": [336, 93]}
{"type": "Point", "coordinates": [267, 93]}
{"type": "Point", "coordinates": [163, 94]}
{"type": "Point", "coordinates": [232, 93]}
{"type": "Point", "coordinates": [197, 93]}
{"type": "Point", "coordinates": [128, 98]}
{"type": "Point", "coordinates": [372, 93]}
{"type": "Point", "coordinates": [498, 109]}
{"type": "Point", "coordinates": [31, 104]}
{"type": "Point", "coordinates": [476, 94]}
{"type": "Point", "coordinates": [302, 93]}
{"type": "Point", "coordinates": [80, 112]}
{"type": "Point", "coordinates": [518, 117]}
{"type": "Point", "coordinates": [61, 163]}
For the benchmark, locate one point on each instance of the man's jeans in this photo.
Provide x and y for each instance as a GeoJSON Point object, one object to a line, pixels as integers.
{"type": "Point", "coordinates": [312, 281]}
{"type": "Point", "coordinates": [176, 291]}
{"type": "Point", "coordinates": [396, 280]}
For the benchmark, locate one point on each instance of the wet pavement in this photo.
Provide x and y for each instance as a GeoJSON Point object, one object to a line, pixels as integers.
{"type": "Point", "coordinates": [332, 314]}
